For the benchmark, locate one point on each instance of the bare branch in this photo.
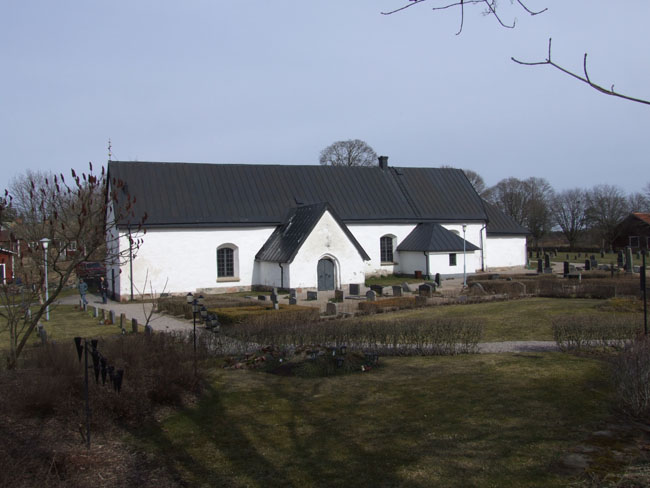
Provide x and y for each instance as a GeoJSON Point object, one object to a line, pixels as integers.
{"type": "Point", "coordinates": [585, 79]}
{"type": "Point", "coordinates": [522, 5]}
{"type": "Point", "coordinates": [491, 10]}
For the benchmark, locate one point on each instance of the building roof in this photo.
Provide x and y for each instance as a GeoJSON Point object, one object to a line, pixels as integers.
{"type": "Point", "coordinates": [287, 239]}
{"type": "Point", "coordinates": [432, 237]}
{"type": "Point", "coordinates": [644, 217]}
{"type": "Point", "coordinates": [193, 194]}
{"type": "Point", "coordinates": [501, 224]}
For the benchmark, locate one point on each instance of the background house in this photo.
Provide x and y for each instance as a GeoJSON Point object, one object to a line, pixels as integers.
{"type": "Point", "coordinates": [229, 227]}
{"type": "Point", "coordinates": [633, 231]}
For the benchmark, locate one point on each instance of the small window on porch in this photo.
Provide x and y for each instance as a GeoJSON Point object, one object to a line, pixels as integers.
{"type": "Point", "coordinates": [452, 259]}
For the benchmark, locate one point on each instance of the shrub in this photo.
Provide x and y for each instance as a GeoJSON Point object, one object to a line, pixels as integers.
{"type": "Point", "coordinates": [395, 303]}
{"type": "Point", "coordinates": [502, 287]}
{"type": "Point", "coordinates": [632, 378]}
{"type": "Point", "coordinates": [235, 315]}
{"type": "Point", "coordinates": [396, 337]}
{"type": "Point", "coordinates": [579, 331]}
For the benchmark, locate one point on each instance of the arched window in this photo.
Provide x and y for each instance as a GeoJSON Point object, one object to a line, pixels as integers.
{"type": "Point", "coordinates": [386, 244]}
{"type": "Point", "coordinates": [227, 262]}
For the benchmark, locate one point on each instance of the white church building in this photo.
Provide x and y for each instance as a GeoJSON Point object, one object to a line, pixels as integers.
{"type": "Point", "coordinates": [230, 227]}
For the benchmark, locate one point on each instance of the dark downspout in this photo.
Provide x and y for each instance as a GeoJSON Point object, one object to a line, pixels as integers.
{"type": "Point", "coordinates": [281, 276]}
{"type": "Point", "coordinates": [426, 256]}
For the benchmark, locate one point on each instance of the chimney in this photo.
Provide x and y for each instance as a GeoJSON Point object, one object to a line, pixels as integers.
{"type": "Point", "coordinates": [383, 162]}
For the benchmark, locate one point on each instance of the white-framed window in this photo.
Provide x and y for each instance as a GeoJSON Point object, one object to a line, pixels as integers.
{"type": "Point", "coordinates": [227, 262]}
{"type": "Point", "coordinates": [386, 247]}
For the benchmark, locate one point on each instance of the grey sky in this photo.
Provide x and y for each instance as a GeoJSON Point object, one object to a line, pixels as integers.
{"type": "Point", "coordinates": [276, 81]}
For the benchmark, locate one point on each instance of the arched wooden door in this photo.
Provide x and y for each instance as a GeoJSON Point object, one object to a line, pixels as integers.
{"type": "Point", "coordinates": [325, 274]}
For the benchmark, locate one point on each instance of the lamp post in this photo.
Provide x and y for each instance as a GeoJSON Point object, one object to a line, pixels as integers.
{"type": "Point", "coordinates": [45, 243]}
{"type": "Point", "coordinates": [464, 260]}
{"type": "Point", "coordinates": [197, 307]}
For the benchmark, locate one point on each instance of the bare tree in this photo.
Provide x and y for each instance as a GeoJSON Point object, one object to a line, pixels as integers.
{"type": "Point", "coordinates": [638, 202]}
{"type": "Point", "coordinates": [606, 207]}
{"type": "Point", "coordinates": [526, 202]}
{"type": "Point", "coordinates": [51, 215]}
{"type": "Point", "coordinates": [353, 152]}
{"type": "Point", "coordinates": [568, 212]}
{"type": "Point", "coordinates": [646, 190]}
{"type": "Point", "coordinates": [509, 195]}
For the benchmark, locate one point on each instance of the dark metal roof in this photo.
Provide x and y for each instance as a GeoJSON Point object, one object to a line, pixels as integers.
{"type": "Point", "coordinates": [287, 239]}
{"type": "Point", "coordinates": [193, 194]}
{"type": "Point", "coordinates": [432, 237]}
{"type": "Point", "coordinates": [501, 224]}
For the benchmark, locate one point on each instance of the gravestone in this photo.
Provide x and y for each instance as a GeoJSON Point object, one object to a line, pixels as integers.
{"type": "Point", "coordinates": [594, 263]}
{"type": "Point", "coordinates": [587, 265]}
{"type": "Point", "coordinates": [355, 289]}
{"type": "Point", "coordinates": [293, 301]}
{"type": "Point", "coordinates": [378, 289]}
{"type": "Point", "coordinates": [371, 296]}
{"type": "Point", "coordinates": [274, 296]}
{"type": "Point", "coordinates": [312, 295]}
{"type": "Point", "coordinates": [397, 291]}
{"type": "Point", "coordinates": [111, 317]}
{"type": "Point", "coordinates": [95, 312]}
{"type": "Point", "coordinates": [134, 325]}
{"type": "Point", "coordinates": [420, 301]}
{"type": "Point", "coordinates": [566, 268]}
{"type": "Point", "coordinates": [567, 257]}
{"type": "Point", "coordinates": [42, 333]}
{"type": "Point", "coordinates": [292, 293]}
{"type": "Point", "coordinates": [406, 287]}
{"type": "Point", "coordinates": [330, 309]}
{"type": "Point", "coordinates": [629, 265]}
{"type": "Point", "coordinates": [602, 254]}
{"type": "Point", "coordinates": [426, 290]}
{"type": "Point", "coordinates": [339, 296]}
{"type": "Point", "coordinates": [540, 266]}
{"type": "Point", "coordinates": [261, 298]}
{"type": "Point", "coordinates": [638, 254]}
{"type": "Point", "coordinates": [276, 306]}
{"type": "Point", "coordinates": [148, 330]}
{"type": "Point", "coordinates": [547, 263]}
{"type": "Point", "coordinates": [122, 320]}
{"type": "Point", "coordinates": [437, 279]}
{"type": "Point", "coordinates": [619, 259]}
{"type": "Point", "coordinates": [103, 313]}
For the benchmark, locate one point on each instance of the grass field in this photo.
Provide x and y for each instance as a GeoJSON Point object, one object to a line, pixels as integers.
{"type": "Point", "coordinates": [66, 322]}
{"type": "Point", "coordinates": [514, 320]}
{"type": "Point", "coordinates": [498, 420]}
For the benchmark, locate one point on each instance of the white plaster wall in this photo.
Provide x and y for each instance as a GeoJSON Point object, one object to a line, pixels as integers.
{"type": "Point", "coordinates": [439, 263]}
{"type": "Point", "coordinates": [187, 258]}
{"type": "Point", "coordinates": [505, 251]}
{"type": "Point", "coordinates": [368, 236]}
{"type": "Point", "coordinates": [410, 262]}
{"type": "Point", "coordinates": [326, 240]}
{"type": "Point", "coordinates": [271, 275]}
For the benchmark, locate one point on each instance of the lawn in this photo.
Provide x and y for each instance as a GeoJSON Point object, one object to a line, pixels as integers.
{"type": "Point", "coordinates": [66, 322]}
{"type": "Point", "coordinates": [491, 420]}
{"type": "Point", "coordinates": [514, 320]}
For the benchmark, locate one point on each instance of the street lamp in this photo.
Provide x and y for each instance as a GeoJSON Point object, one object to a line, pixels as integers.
{"type": "Point", "coordinates": [45, 242]}
{"type": "Point", "coordinates": [464, 260]}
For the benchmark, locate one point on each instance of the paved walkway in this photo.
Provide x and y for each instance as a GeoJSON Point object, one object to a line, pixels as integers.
{"type": "Point", "coordinates": [166, 323]}
{"type": "Point", "coordinates": [139, 311]}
